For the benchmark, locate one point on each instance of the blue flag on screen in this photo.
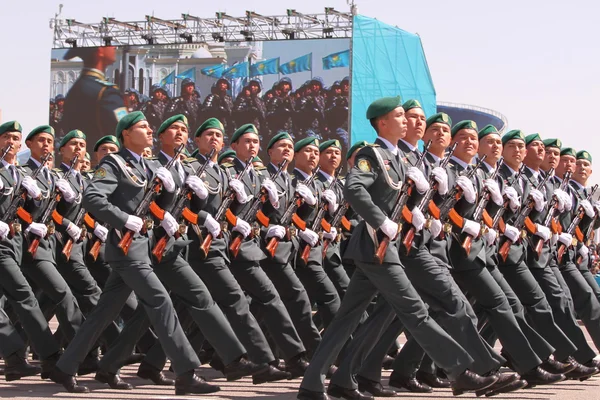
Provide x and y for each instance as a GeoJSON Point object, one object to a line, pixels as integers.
{"type": "Point", "coordinates": [190, 73]}
{"type": "Point", "coordinates": [168, 80]}
{"type": "Point", "coordinates": [215, 71]}
{"type": "Point", "coordinates": [299, 64]}
{"type": "Point", "coordinates": [237, 71]}
{"type": "Point", "coordinates": [266, 67]}
{"type": "Point", "coordinates": [336, 60]}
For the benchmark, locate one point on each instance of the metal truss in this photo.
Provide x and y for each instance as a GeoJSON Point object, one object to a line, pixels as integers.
{"type": "Point", "coordinates": [192, 29]}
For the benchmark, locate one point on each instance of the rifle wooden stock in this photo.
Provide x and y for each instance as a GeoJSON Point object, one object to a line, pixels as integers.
{"type": "Point", "coordinates": [560, 252]}
{"type": "Point", "coordinates": [159, 247]}
{"type": "Point", "coordinates": [235, 245]}
{"type": "Point", "coordinates": [68, 247]}
{"type": "Point", "coordinates": [346, 224]}
{"type": "Point", "coordinates": [467, 243]}
{"type": "Point", "coordinates": [306, 253]}
{"type": "Point", "coordinates": [125, 241]}
{"type": "Point", "coordinates": [33, 246]}
{"type": "Point", "coordinates": [205, 246]}
{"type": "Point", "coordinates": [504, 249]}
{"type": "Point", "coordinates": [262, 219]}
{"type": "Point", "coordinates": [539, 246]}
{"type": "Point", "coordinates": [382, 249]}
{"type": "Point", "coordinates": [95, 250]}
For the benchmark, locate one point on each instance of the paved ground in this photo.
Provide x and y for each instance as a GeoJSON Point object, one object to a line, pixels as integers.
{"type": "Point", "coordinates": [35, 388]}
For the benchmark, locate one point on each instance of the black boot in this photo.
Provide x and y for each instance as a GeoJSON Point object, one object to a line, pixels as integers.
{"type": "Point", "coordinates": [409, 383]}
{"type": "Point", "coordinates": [147, 371]}
{"type": "Point", "coordinates": [49, 363]}
{"type": "Point", "coordinates": [432, 380]}
{"type": "Point", "coordinates": [471, 382]}
{"type": "Point", "coordinates": [557, 367]}
{"type": "Point", "coordinates": [271, 374]}
{"type": "Point", "coordinates": [538, 376]}
{"type": "Point", "coordinates": [113, 380]}
{"type": "Point", "coordinates": [17, 367]}
{"type": "Point", "coordinates": [192, 383]}
{"type": "Point", "coordinates": [243, 367]}
{"type": "Point", "coordinates": [68, 381]}
{"type": "Point", "coordinates": [296, 366]}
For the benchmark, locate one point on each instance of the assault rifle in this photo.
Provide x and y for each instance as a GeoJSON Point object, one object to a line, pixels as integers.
{"type": "Point", "coordinates": [498, 221]}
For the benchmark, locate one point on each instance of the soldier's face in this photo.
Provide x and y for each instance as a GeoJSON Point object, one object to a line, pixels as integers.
{"type": "Point", "coordinates": [281, 150]}
{"type": "Point", "coordinates": [147, 152]}
{"type": "Point", "coordinates": [440, 137]}
{"type": "Point", "coordinates": [286, 88]}
{"type": "Point", "coordinates": [104, 149]}
{"type": "Point", "coordinates": [566, 163]}
{"type": "Point", "coordinates": [514, 152]}
{"type": "Point", "coordinates": [330, 159]}
{"type": "Point", "coordinates": [85, 166]}
{"type": "Point", "coordinates": [416, 122]}
{"type": "Point", "coordinates": [583, 170]}
{"type": "Point", "coordinates": [160, 95]}
{"type": "Point", "coordinates": [189, 90]}
{"type": "Point", "coordinates": [490, 146]}
{"type": "Point", "coordinates": [13, 139]}
{"type": "Point", "coordinates": [175, 135]}
{"type": "Point", "coordinates": [60, 104]}
{"type": "Point", "coordinates": [208, 140]}
{"type": "Point", "coordinates": [307, 158]}
{"type": "Point", "coordinates": [467, 144]}
{"type": "Point", "coordinates": [246, 146]}
{"type": "Point", "coordinates": [222, 86]}
{"type": "Point", "coordinates": [536, 151]}
{"type": "Point", "coordinates": [393, 125]}
{"type": "Point", "coordinates": [255, 89]}
{"type": "Point", "coordinates": [551, 159]}
{"type": "Point", "coordinates": [74, 147]}
{"type": "Point", "coordinates": [138, 137]}
{"type": "Point", "coordinates": [40, 145]}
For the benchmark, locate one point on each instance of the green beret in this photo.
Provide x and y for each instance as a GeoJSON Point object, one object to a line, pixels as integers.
{"type": "Point", "coordinates": [440, 117]}
{"type": "Point", "coordinates": [194, 153]}
{"type": "Point", "coordinates": [107, 139]}
{"type": "Point", "coordinates": [383, 106]}
{"type": "Point", "coordinates": [412, 103]}
{"type": "Point", "coordinates": [257, 159]}
{"type": "Point", "coordinates": [242, 130]}
{"type": "Point", "coordinates": [568, 151]}
{"type": "Point", "coordinates": [584, 155]}
{"type": "Point", "coordinates": [278, 137]}
{"type": "Point", "coordinates": [355, 146]}
{"type": "Point", "coordinates": [514, 134]}
{"type": "Point", "coordinates": [87, 156]}
{"type": "Point", "coordinates": [10, 126]}
{"type": "Point", "coordinates": [466, 124]}
{"type": "Point", "coordinates": [488, 130]}
{"type": "Point", "coordinates": [40, 129]}
{"type": "Point", "coordinates": [211, 123]}
{"type": "Point", "coordinates": [225, 154]}
{"type": "Point", "coordinates": [329, 143]}
{"type": "Point", "coordinates": [128, 121]}
{"type": "Point", "coordinates": [169, 121]}
{"type": "Point", "coordinates": [553, 143]}
{"type": "Point", "coordinates": [300, 144]}
{"type": "Point", "coordinates": [187, 153]}
{"type": "Point", "coordinates": [532, 138]}
{"type": "Point", "coordinates": [74, 134]}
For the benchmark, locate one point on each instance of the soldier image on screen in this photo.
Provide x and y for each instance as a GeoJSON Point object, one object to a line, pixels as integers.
{"type": "Point", "coordinates": [56, 113]}
{"type": "Point", "coordinates": [218, 104]}
{"type": "Point", "coordinates": [336, 112]}
{"type": "Point", "coordinates": [154, 109]}
{"type": "Point", "coordinates": [132, 100]}
{"type": "Point", "coordinates": [244, 109]}
{"type": "Point", "coordinates": [280, 109]}
{"type": "Point", "coordinates": [311, 109]}
{"type": "Point", "coordinates": [93, 104]}
{"type": "Point", "coordinates": [188, 104]}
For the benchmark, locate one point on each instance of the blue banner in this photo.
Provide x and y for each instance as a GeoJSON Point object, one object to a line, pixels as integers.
{"type": "Point", "coordinates": [267, 67]}
{"type": "Point", "coordinates": [190, 73]}
{"type": "Point", "coordinates": [168, 80]}
{"type": "Point", "coordinates": [336, 60]}
{"type": "Point", "coordinates": [299, 64]}
{"type": "Point", "coordinates": [216, 71]}
{"type": "Point", "coordinates": [237, 71]}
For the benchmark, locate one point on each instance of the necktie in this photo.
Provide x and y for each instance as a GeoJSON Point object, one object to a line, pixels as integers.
{"type": "Point", "coordinates": [13, 172]}
{"type": "Point", "coordinates": [46, 174]}
{"type": "Point", "coordinates": [146, 171]}
{"type": "Point", "coordinates": [180, 170]}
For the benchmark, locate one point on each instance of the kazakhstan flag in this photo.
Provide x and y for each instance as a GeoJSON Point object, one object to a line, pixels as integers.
{"type": "Point", "coordinates": [237, 71]}
{"type": "Point", "coordinates": [299, 64]}
{"type": "Point", "coordinates": [215, 71]}
{"type": "Point", "coordinates": [336, 60]}
{"type": "Point", "coordinates": [189, 74]}
{"type": "Point", "coordinates": [266, 67]}
{"type": "Point", "coordinates": [169, 79]}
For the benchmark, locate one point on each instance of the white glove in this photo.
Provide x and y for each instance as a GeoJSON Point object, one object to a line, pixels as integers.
{"type": "Point", "coordinates": [587, 207]}
{"type": "Point", "coordinates": [418, 219]}
{"type": "Point", "coordinates": [309, 237]}
{"type": "Point", "coordinates": [277, 231]}
{"type": "Point", "coordinates": [331, 200]}
{"type": "Point", "coordinates": [240, 194]}
{"type": "Point", "coordinates": [538, 199]}
{"type": "Point", "coordinates": [415, 175]}
{"type": "Point", "coordinates": [166, 178]}
{"type": "Point", "coordinates": [330, 235]}
{"type": "Point", "coordinates": [583, 251]}
{"type": "Point", "coordinates": [441, 177]}
{"type": "Point", "coordinates": [553, 239]}
{"type": "Point", "coordinates": [1, 184]}
{"type": "Point", "coordinates": [37, 229]}
{"type": "Point", "coordinates": [65, 188]}
{"type": "Point", "coordinates": [242, 227]}
{"type": "Point", "coordinates": [74, 231]}
{"type": "Point", "coordinates": [543, 232]}
{"type": "Point", "coordinates": [101, 232]}
{"type": "Point", "coordinates": [471, 227]}
{"type": "Point", "coordinates": [169, 224]}
{"type": "Point", "coordinates": [212, 226]}
{"type": "Point", "coordinates": [4, 230]}
{"type": "Point", "coordinates": [492, 187]}
{"type": "Point", "coordinates": [435, 228]}
{"type": "Point", "coordinates": [134, 223]}
{"type": "Point", "coordinates": [512, 233]}
{"type": "Point", "coordinates": [31, 186]}
{"type": "Point", "coordinates": [596, 205]}
{"type": "Point", "coordinates": [196, 184]}
{"type": "Point", "coordinates": [306, 194]}
{"type": "Point", "coordinates": [490, 236]}
{"type": "Point", "coordinates": [561, 200]}
{"type": "Point", "coordinates": [389, 228]}
{"type": "Point", "coordinates": [467, 187]}
{"type": "Point", "coordinates": [513, 198]}
{"type": "Point", "coordinates": [271, 189]}
{"type": "Point", "coordinates": [565, 239]}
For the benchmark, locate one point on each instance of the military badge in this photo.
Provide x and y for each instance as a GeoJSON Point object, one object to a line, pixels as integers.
{"type": "Point", "coordinates": [364, 165]}
{"type": "Point", "coordinates": [100, 173]}
{"type": "Point", "coordinates": [386, 163]}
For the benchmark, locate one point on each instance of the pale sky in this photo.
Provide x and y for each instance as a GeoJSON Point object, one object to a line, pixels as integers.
{"type": "Point", "coordinates": [537, 62]}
